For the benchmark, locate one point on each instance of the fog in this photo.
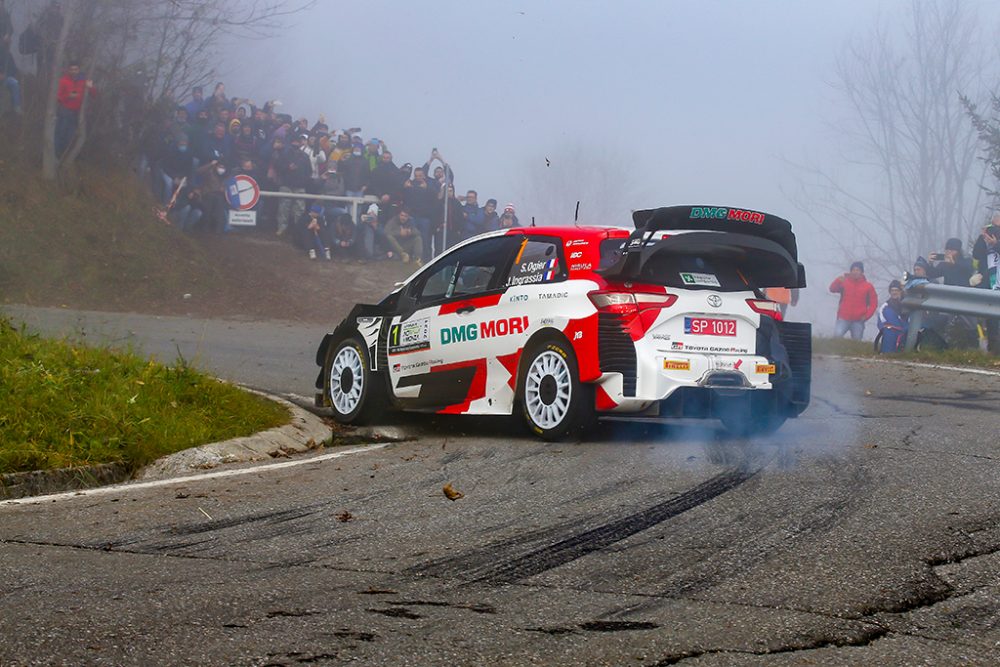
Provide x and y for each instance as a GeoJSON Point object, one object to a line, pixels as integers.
{"type": "Point", "coordinates": [703, 102]}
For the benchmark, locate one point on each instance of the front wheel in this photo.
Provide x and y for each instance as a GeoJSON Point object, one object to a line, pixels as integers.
{"type": "Point", "coordinates": [553, 399]}
{"type": "Point", "coordinates": [351, 387]}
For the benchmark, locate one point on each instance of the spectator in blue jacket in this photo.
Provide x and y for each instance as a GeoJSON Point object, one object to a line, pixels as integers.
{"type": "Point", "coordinates": [892, 323]}
{"type": "Point", "coordinates": [472, 214]}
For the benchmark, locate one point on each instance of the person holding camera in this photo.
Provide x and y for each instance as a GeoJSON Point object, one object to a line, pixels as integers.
{"type": "Point", "coordinates": [952, 265]}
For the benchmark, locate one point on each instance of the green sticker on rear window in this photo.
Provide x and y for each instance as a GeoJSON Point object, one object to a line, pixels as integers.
{"type": "Point", "coordinates": [701, 279]}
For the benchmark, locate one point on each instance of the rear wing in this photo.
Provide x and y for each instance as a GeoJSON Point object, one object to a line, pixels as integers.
{"type": "Point", "coordinates": [759, 247]}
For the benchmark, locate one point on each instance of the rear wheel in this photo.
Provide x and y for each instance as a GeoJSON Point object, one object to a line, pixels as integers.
{"type": "Point", "coordinates": [553, 400]}
{"type": "Point", "coordinates": [352, 389]}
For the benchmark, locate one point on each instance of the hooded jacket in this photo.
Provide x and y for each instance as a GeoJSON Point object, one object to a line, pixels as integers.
{"type": "Point", "coordinates": [71, 91]}
{"type": "Point", "coordinates": [858, 299]}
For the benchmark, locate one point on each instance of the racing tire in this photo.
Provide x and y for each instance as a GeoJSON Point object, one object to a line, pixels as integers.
{"type": "Point", "coordinates": [753, 415]}
{"type": "Point", "coordinates": [354, 392]}
{"type": "Point", "coordinates": [553, 400]}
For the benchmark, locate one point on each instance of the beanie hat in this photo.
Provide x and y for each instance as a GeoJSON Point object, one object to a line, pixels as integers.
{"type": "Point", "coordinates": [921, 262]}
{"type": "Point", "coordinates": [317, 209]}
{"type": "Point", "coordinates": [509, 208]}
{"type": "Point", "coordinates": [953, 244]}
{"type": "Point", "coordinates": [860, 265]}
{"type": "Point", "coordinates": [895, 284]}
{"type": "Point", "coordinates": [491, 201]}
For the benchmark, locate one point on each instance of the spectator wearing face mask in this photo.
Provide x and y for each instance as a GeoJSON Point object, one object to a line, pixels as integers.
{"type": "Point", "coordinates": [213, 196]}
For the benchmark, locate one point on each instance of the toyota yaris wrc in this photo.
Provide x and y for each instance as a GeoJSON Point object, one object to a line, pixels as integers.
{"type": "Point", "coordinates": [563, 324]}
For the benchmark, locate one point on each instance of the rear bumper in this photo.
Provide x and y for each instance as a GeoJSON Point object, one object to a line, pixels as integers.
{"type": "Point", "coordinates": [662, 375]}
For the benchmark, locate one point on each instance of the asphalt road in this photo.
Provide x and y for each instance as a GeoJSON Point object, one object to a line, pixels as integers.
{"type": "Point", "coordinates": [867, 532]}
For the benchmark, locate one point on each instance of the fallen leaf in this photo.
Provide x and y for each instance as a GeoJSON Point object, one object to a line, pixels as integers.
{"type": "Point", "coordinates": [344, 516]}
{"type": "Point", "coordinates": [868, 392]}
{"type": "Point", "coordinates": [451, 493]}
{"type": "Point", "coordinates": [870, 445]}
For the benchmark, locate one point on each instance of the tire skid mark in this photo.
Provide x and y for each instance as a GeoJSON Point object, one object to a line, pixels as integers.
{"type": "Point", "coordinates": [493, 568]}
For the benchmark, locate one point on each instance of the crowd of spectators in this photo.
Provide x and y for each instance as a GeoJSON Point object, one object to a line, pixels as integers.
{"type": "Point", "coordinates": [416, 212]}
{"type": "Point", "coordinates": [859, 301]}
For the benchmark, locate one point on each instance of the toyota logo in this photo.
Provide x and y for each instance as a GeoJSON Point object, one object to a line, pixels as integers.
{"type": "Point", "coordinates": [714, 300]}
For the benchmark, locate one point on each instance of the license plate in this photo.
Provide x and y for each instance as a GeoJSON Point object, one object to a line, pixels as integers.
{"type": "Point", "coordinates": [709, 326]}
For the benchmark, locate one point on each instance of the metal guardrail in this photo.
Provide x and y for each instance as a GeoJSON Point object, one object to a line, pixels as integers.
{"type": "Point", "coordinates": [353, 201]}
{"type": "Point", "coordinates": [931, 297]}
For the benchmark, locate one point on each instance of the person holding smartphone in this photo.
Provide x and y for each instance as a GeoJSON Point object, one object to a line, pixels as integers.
{"type": "Point", "coordinates": [952, 265]}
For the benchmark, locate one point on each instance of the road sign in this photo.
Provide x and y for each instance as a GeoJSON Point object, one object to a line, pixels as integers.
{"type": "Point", "coordinates": [242, 218]}
{"type": "Point", "coordinates": [242, 192]}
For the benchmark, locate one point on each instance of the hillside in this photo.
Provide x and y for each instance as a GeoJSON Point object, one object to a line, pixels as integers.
{"type": "Point", "coordinates": [102, 248]}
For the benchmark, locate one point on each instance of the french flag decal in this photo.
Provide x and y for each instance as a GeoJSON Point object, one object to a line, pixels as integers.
{"type": "Point", "coordinates": [550, 269]}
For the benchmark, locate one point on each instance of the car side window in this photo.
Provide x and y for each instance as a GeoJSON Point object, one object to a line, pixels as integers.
{"type": "Point", "coordinates": [537, 261]}
{"type": "Point", "coordinates": [470, 270]}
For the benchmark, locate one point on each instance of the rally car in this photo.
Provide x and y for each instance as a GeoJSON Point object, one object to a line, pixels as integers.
{"type": "Point", "coordinates": [563, 324]}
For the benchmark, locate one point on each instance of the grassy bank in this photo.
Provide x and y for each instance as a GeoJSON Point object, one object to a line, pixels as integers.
{"type": "Point", "coordinates": [63, 404]}
{"type": "Point", "coordinates": [95, 244]}
{"type": "Point", "coordinates": [849, 348]}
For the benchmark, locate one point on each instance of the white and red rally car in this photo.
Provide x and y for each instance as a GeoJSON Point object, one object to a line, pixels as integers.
{"type": "Point", "coordinates": [563, 324]}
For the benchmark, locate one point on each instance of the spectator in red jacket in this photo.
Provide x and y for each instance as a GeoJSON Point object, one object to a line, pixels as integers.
{"type": "Point", "coordinates": [73, 87]}
{"type": "Point", "coordinates": [858, 302]}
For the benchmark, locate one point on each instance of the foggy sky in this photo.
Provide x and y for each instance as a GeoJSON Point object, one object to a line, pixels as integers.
{"type": "Point", "coordinates": [710, 101]}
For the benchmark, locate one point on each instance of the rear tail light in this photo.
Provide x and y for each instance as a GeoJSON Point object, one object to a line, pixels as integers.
{"type": "Point", "coordinates": [630, 303]}
{"type": "Point", "coordinates": [765, 307]}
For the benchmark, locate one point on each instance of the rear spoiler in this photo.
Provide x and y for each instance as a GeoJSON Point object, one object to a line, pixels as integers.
{"type": "Point", "coordinates": [763, 262]}
{"type": "Point", "coordinates": [717, 219]}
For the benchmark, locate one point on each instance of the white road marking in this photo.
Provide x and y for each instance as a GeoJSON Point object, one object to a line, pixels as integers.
{"type": "Point", "coordinates": [125, 488]}
{"type": "Point", "coordinates": [919, 364]}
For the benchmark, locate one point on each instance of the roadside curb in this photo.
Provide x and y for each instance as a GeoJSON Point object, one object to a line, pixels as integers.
{"type": "Point", "coordinates": [304, 432]}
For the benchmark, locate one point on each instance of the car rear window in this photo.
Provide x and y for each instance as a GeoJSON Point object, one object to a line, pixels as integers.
{"type": "Point", "coordinates": [693, 272]}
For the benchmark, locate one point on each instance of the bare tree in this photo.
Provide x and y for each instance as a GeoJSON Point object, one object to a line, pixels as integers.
{"type": "Point", "coordinates": [165, 45]}
{"type": "Point", "coordinates": [603, 180]}
{"type": "Point", "coordinates": [988, 128]}
{"type": "Point", "coordinates": [908, 177]}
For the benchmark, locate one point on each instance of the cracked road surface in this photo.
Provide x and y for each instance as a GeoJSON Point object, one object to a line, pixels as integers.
{"type": "Point", "coordinates": [866, 532]}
